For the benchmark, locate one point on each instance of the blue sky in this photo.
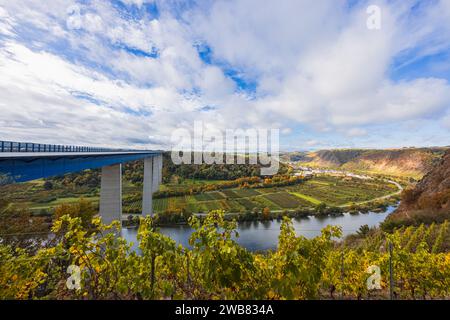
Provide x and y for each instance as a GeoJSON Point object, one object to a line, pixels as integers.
{"type": "Point", "coordinates": [129, 72]}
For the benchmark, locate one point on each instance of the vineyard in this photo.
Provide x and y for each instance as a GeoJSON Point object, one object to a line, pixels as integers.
{"type": "Point", "coordinates": [103, 266]}
{"type": "Point", "coordinates": [201, 196]}
{"type": "Point", "coordinates": [332, 191]}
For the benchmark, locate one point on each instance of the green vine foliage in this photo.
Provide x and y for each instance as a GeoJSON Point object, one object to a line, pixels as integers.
{"type": "Point", "coordinates": [216, 267]}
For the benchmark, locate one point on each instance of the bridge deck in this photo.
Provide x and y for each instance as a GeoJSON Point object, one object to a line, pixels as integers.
{"type": "Point", "coordinates": [25, 166]}
{"type": "Point", "coordinates": [23, 155]}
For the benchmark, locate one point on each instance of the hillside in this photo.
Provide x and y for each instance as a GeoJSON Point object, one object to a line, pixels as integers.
{"type": "Point", "coordinates": [429, 200]}
{"type": "Point", "coordinates": [411, 162]}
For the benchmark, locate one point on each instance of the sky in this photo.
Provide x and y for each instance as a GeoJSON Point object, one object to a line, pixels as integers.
{"type": "Point", "coordinates": [127, 73]}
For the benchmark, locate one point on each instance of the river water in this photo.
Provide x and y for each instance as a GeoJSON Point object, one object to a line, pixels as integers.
{"type": "Point", "coordinates": [263, 235]}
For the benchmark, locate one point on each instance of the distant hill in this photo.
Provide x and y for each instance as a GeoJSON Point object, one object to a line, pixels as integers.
{"type": "Point", "coordinates": [412, 162]}
{"type": "Point", "coordinates": [429, 200]}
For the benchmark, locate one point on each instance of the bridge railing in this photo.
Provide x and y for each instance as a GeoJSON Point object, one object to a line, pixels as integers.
{"type": "Point", "coordinates": [11, 146]}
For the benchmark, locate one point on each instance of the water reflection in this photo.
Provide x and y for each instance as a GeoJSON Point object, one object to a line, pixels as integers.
{"type": "Point", "coordinates": [263, 235]}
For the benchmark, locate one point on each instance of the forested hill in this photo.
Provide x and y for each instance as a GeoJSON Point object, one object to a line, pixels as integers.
{"type": "Point", "coordinates": [413, 162]}
{"type": "Point", "coordinates": [133, 171]}
{"type": "Point", "coordinates": [213, 171]}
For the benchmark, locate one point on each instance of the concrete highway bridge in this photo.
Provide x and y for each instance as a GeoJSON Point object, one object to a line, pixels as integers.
{"type": "Point", "coordinates": [21, 161]}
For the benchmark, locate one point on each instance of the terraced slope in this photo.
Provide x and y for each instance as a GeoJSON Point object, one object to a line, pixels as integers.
{"type": "Point", "coordinates": [412, 162]}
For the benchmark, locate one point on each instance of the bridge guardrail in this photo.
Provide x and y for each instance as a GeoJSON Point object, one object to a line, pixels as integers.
{"type": "Point", "coordinates": [11, 146]}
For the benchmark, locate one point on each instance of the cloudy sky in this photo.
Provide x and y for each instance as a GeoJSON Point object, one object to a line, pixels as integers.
{"type": "Point", "coordinates": [129, 72]}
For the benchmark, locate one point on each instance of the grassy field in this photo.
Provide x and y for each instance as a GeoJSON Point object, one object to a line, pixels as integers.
{"type": "Point", "coordinates": [307, 198]}
{"type": "Point", "coordinates": [333, 191]}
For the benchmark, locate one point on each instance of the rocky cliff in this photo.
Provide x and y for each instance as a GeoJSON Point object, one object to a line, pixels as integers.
{"type": "Point", "coordinates": [429, 200]}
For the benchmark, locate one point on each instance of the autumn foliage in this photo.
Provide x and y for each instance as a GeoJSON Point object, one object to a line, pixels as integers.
{"type": "Point", "coordinates": [216, 267]}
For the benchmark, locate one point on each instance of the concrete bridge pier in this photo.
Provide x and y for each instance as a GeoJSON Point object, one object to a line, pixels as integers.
{"type": "Point", "coordinates": [160, 166]}
{"type": "Point", "coordinates": [111, 189]}
{"type": "Point", "coordinates": [147, 194]}
{"type": "Point", "coordinates": [111, 193]}
{"type": "Point", "coordinates": [156, 174]}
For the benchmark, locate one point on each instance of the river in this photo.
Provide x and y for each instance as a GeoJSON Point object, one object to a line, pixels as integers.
{"type": "Point", "coordinates": [263, 235]}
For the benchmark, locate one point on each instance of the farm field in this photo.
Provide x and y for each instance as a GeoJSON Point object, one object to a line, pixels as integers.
{"type": "Point", "coordinates": [333, 191]}
{"type": "Point", "coordinates": [183, 184]}
{"type": "Point", "coordinates": [305, 197]}
{"type": "Point", "coordinates": [283, 200]}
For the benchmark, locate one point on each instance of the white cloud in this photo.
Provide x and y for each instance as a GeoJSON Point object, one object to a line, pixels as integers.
{"type": "Point", "coordinates": [335, 80]}
{"type": "Point", "coordinates": [356, 132]}
{"type": "Point", "coordinates": [311, 143]}
{"type": "Point", "coordinates": [286, 131]}
{"type": "Point", "coordinates": [446, 121]}
{"type": "Point", "coordinates": [316, 65]}
{"type": "Point", "coordinates": [138, 3]}
{"type": "Point", "coordinates": [6, 23]}
{"type": "Point", "coordinates": [39, 96]}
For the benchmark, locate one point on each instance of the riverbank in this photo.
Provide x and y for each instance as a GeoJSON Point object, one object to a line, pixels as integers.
{"type": "Point", "coordinates": [317, 196]}
{"type": "Point", "coordinates": [261, 216]}
{"type": "Point", "coordinates": [263, 235]}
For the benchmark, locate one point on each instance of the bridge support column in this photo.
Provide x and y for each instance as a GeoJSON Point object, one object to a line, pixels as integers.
{"type": "Point", "coordinates": [160, 168]}
{"type": "Point", "coordinates": [111, 194]}
{"type": "Point", "coordinates": [156, 173]}
{"type": "Point", "coordinates": [147, 194]}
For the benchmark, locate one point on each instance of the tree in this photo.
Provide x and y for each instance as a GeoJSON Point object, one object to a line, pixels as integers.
{"type": "Point", "coordinates": [83, 210]}
{"type": "Point", "coordinates": [321, 208]}
{"type": "Point", "coordinates": [48, 185]}
{"type": "Point", "coordinates": [16, 226]}
{"type": "Point", "coordinates": [363, 230]}
{"type": "Point", "coordinates": [266, 213]}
